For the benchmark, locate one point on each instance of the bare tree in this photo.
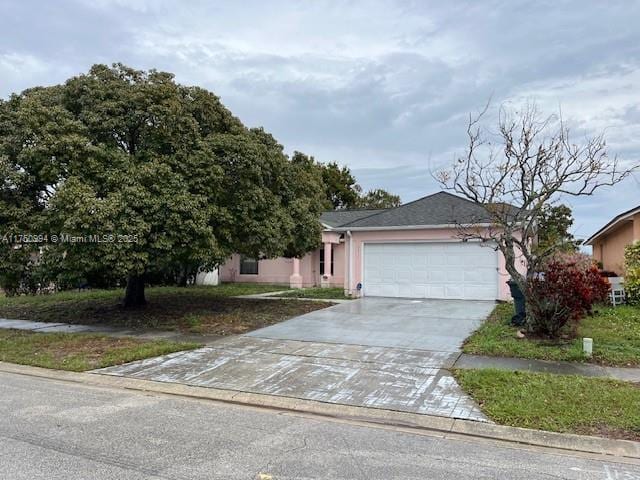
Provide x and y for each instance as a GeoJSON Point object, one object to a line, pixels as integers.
{"type": "Point", "coordinates": [513, 173]}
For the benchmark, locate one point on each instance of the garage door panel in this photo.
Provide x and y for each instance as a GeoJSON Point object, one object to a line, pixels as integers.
{"type": "Point", "coordinates": [418, 275]}
{"type": "Point", "coordinates": [454, 276]}
{"type": "Point", "coordinates": [421, 290]}
{"type": "Point", "coordinates": [375, 276]}
{"type": "Point", "coordinates": [404, 273]}
{"type": "Point", "coordinates": [454, 291]}
{"type": "Point", "coordinates": [437, 291]}
{"type": "Point", "coordinates": [404, 259]}
{"type": "Point", "coordinates": [455, 259]}
{"type": "Point", "coordinates": [375, 290]}
{"type": "Point", "coordinates": [478, 292]}
{"type": "Point", "coordinates": [420, 259]}
{"type": "Point", "coordinates": [437, 274]}
{"type": "Point", "coordinates": [430, 270]}
{"type": "Point", "coordinates": [437, 260]}
{"type": "Point", "coordinates": [477, 276]}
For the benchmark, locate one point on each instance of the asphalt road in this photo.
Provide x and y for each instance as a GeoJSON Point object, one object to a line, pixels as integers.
{"type": "Point", "coordinates": [57, 430]}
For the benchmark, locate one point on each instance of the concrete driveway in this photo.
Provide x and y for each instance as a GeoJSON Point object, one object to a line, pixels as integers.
{"type": "Point", "coordinates": [372, 352]}
{"type": "Point", "coordinates": [435, 325]}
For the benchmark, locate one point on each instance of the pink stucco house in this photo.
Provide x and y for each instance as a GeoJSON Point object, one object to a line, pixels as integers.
{"type": "Point", "coordinates": [609, 242]}
{"type": "Point", "coordinates": [413, 251]}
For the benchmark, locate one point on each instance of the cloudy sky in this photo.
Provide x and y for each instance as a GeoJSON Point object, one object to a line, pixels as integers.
{"type": "Point", "coordinates": [384, 87]}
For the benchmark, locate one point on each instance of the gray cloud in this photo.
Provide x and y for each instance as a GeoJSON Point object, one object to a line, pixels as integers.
{"type": "Point", "coordinates": [382, 86]}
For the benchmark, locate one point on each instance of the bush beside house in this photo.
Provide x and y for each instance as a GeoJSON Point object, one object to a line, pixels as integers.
{"type": "Point", "coordinates": [562, 293]}
{"type": "Point", "coordinates": [632, 275]}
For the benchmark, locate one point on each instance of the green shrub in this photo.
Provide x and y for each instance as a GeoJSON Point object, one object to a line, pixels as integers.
{"type": "Point", "coordinates": [563, 292]}
{"type": "Point", "coordinates": [632, 273]}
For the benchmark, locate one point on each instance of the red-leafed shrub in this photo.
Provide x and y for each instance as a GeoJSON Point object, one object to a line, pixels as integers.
{"type": "Point", "coordinates": [563, 292]}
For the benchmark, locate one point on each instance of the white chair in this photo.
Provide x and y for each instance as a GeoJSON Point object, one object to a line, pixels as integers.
{"type": "Point", "coordinates": [617, 294]}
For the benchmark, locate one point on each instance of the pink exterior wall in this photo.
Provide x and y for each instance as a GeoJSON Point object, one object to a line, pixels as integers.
{"type": "Point", "coordinates": [278, 270]}
{"type": "Point", "coordinates": [609, 248]}
{"type": "Point", "coordinates": [411, 236]}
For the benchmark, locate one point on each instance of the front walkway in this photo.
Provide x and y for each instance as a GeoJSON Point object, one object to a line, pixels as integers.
{"type": "Point", "coordinates": [546, 366]}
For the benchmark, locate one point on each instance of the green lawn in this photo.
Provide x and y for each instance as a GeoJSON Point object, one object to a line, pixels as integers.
{"type": "Point", "coordinates": [200, 310]}
{"type": "Point", "coordinates": [615, 332]}
{"type": "Point", "coordinates": [336, 293]}
{"type": "Point", "coordinates": [558, 403]}
{"type": "Point", "coordinates": [79, 351]}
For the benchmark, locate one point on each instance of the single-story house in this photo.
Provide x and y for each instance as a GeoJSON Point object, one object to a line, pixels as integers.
{"type": "Point", "coordinates": [609, 242]}
{"type": "Point", "coordinates": [414, 250]}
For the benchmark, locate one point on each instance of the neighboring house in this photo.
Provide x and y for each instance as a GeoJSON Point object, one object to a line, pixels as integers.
{"type": "Point", "coordinates": [608, 243]}
{"type": "Point", "coordinates": [414, 250]}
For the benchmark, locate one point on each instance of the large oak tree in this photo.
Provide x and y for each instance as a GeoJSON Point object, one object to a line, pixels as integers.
{"type": "Point", "coordinates": [164, 168]}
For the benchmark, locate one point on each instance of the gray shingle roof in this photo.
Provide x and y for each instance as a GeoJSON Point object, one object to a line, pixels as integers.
{"type": "Point", "coordinates": [440, 208]}
{"type": "Point", "coordinates": [336, 218]}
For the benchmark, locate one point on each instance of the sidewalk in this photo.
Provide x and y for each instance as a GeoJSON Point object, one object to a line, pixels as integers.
{"type": "Point", "coordinates": [545, 366]}
{"type": "Point", "coordinates": [274, 296]}
{"type": "Point", "coordinates": [145, 334]}
{"type": "Point", "coordinates": [464, 361]}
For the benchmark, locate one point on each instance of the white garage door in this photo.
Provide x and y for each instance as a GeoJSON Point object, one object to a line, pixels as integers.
{"type": "Point", "coordinates": [431, 270]}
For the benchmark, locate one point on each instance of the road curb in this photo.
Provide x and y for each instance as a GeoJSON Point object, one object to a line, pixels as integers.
{"type": "Point", "coordinates": [439, 425]}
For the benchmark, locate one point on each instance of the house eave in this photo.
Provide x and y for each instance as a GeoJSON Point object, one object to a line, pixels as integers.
{"type": "Point", "coordinates": [611, 225]}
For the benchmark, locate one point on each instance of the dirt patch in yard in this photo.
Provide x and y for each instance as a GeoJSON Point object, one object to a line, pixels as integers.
{"type": "Point", "coordinates": [237, 316]}
{"type": "Point", "coordinates": [609, 432]}
{"type": "Point", "coordinates": [92, 347]}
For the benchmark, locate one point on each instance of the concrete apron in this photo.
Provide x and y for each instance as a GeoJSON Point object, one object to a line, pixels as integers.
{"type": "Point", "coordinates": [375, 377]}
{"type": "Point", "coordinates": [625, 450]}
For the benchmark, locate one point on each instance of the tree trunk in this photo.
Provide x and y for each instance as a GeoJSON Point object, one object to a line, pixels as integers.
{"type": "Point", "coordinates": [183, 276]}
{"type": "Point", "coordinates": [509, 254]}
{"type": "Point", "coordinates": [520, 280]}
{"type": "Point", "coordinates": [134, 296]}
